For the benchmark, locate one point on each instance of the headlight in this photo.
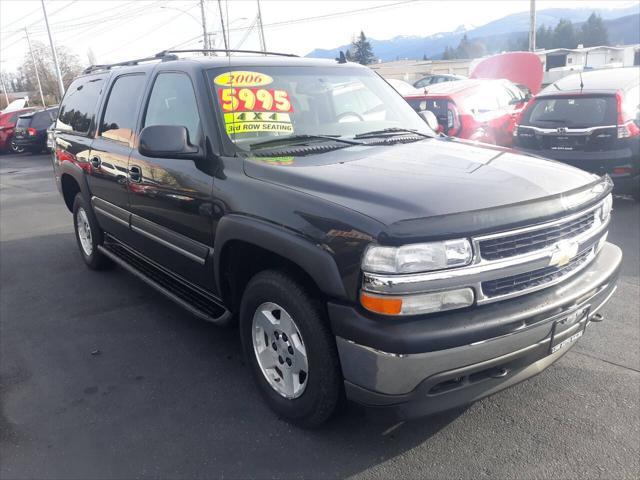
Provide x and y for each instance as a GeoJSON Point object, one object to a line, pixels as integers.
{"type": "Point", "coordinates": [417, 257]}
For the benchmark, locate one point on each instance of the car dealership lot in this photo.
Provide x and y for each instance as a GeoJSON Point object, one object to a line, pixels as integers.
{"type": "Point", "coordinates": [119, 382]}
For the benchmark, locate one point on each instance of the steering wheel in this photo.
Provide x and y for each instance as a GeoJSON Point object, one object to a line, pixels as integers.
{"type": "Point", "coordinates": [343, 117]}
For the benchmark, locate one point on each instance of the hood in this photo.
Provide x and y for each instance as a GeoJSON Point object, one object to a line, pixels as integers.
{"type": "Point", "coordinates": [429, 178]}
{"type": "Point", "coordinates": [523, 68]}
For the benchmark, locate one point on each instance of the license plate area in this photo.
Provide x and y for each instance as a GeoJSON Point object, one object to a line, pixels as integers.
{"type": "Point", "coordinates": [568, 329]}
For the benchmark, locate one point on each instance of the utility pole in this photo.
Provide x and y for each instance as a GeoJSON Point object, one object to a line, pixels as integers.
{"type": "Point", "coordinates": [53, 51]}
{"type": "Point", "coordinates": [4, 89]}
{"type": "Point", "coordinates": [35, 67]}
{"type": "Point", "coordinates": [262, 42]}
{"type": "Point", "coordinates": [532, 26]}
{"type": "Point", "coordinates": [205, 36]}
{"type": "Point", "coordinates": [224, 33]}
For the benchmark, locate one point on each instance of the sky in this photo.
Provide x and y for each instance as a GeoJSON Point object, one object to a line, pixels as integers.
{"type": "Point", "coordinates": [120, 30]}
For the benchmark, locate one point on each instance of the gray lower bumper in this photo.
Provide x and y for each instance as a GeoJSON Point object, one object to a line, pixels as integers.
{"type": "Point", "coordinates": [423, 383]}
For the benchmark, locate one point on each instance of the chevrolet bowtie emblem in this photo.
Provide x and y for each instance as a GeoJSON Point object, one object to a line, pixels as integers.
{"type": "Point", "coordinates": [563, 253]}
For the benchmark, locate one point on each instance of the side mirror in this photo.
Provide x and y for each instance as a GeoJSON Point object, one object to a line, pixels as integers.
{"type": "Point", "coordinates": [430, 118]}
{"type": "Point", "coordinates": [167, 141]}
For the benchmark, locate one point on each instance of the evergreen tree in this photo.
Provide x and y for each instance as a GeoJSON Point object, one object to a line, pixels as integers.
{"type": "Point", "coordinates": [593, 32]}
{"type": "Point", "coordinates": [362, 51]}
{"type": "Point", "coordinates": [424, 57]}
{"type": "Point", "coordinates": [544, 37]}
{"type": "Point", "coordinates": [564, 36]}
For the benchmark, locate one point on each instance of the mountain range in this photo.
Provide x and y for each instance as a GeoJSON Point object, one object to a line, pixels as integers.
{"type": "Point", "coordinates": [622, 24]}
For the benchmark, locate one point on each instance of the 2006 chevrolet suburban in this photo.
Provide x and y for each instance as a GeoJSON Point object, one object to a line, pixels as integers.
{"type": "Point", "coordinates": [361, 255]}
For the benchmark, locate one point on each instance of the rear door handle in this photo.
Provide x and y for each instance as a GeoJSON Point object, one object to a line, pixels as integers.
{"type": "Point", "coordinates": [95, 161]}
{"type": "Point", "coordinates": [135, 174]}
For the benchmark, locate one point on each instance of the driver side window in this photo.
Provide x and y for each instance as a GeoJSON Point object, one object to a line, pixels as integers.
{"type": "Point", "coordinates": [173, 102]}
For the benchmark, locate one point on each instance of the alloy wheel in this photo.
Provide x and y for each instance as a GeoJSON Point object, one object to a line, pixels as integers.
{"type": "Point", "coordinates": [279, 350]}
{"type": "Point", "coordinates": [84, 232]}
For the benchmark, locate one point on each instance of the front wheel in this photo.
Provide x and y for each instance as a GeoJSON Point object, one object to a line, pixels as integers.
{"type": "Point", "coordinates": [290, 348]}
{"type": "Point", "coordinates": [88, 235]}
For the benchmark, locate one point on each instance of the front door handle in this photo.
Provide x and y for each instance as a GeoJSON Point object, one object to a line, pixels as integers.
{"type": "Point", "coordinates": [135, 174]}
{"type": "Point", "coordinates": [95, 161]}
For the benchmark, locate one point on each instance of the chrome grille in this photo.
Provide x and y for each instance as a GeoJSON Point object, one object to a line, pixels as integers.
{"type": "Point", "coordinates": [512, 263]}
{"type": "Point", "coordinates": [536, 278]}
{"type": "Point", "coordinates": [530, 241]}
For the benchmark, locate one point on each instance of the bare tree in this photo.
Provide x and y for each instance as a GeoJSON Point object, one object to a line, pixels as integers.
{"type": "Point", "coordinates": [69, 67]}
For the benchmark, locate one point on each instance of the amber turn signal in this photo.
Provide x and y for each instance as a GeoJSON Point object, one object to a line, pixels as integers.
{"type": "Point", "coordinates": [382, 305]}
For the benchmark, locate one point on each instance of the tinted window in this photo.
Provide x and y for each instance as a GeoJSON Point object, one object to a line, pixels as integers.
{"type": "Point", "coordinates": [79, 103]}
{"type": "Point", "coordinates": [173, 102]}
{"type": "Point", "coordinates": [572, 112]}
{"type": "Point", "coordinates": [42, 120]}
{"type": "Point", "coordinates": [24, 122]}
{"type": "Point", "coordinates": [119, 118]}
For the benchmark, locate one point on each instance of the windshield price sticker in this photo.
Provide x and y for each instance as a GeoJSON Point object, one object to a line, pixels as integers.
{"type": "Point", "coordinates": [248, 107]}
{"type": "Point", "coordinates": [254, 100]}
{"type": "Point", "coordinates": [242, 79]}
{"type": "Point", "coordinates": [248, 122]}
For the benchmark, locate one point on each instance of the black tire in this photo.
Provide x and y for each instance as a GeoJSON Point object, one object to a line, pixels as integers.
{"type": "Point", "coordinates": [14, 148]}
{"type": "Point", "coordinates": [95, 260]}
{"type": "Point", "coordinates": [323, 393]}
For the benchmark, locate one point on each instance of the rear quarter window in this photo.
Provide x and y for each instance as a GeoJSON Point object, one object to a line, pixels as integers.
{"type": "Point", "coordinates": [79, 104]}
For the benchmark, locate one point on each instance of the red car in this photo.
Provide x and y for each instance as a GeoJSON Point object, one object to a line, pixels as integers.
{"type": "Point", "coordinates": [8, 122]}
{"type": "Point", "coordinates": [476, 109]}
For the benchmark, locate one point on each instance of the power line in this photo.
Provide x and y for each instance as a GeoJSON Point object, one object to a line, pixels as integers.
{"type": "Point", "coordinates": [139, 37]}
{"type": "Point", "coordinates": [329, 15]}
{"type": "Point", "coordinates": [38, 21]}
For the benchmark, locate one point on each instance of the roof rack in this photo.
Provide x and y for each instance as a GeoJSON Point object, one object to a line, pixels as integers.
{"type": "Point", "coordinates": [162, 56]}
{"type": "Point", "coordinates": [258, 52]}
{"type": "Point", "coordinates": [167, 55]}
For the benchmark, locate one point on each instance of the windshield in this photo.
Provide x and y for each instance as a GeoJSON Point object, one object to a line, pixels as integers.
{"type": "Point", "coordinates": [572, 112]}
{"type": "Point", "coordinates": [262, 103]}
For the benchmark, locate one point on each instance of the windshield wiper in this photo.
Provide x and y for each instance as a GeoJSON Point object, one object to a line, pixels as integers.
{"type": "Point", "coordinates": [298, 138]}
{"type": "Point", "coordinates": [385, 132]}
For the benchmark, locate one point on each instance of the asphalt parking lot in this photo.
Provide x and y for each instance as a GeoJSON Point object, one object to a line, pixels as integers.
{"type": "Point", "coordinates": [102, 377]}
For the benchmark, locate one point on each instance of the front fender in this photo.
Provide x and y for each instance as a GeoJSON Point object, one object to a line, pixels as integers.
{"type": "Point", "coordinates": [310, 257]}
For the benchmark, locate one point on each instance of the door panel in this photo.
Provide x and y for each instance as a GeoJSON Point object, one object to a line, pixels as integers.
{"type": "Point", "coordinates": [170, 198]}
{"type": "Point", "coordinates": [171, 207]}
{"type": "Point", "coordinates": [108, 161]}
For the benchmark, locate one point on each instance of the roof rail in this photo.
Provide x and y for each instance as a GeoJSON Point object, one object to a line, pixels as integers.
{"type": "Point", "coordinates": [165, 52]}
{"type": "Point", "coordinates": [162, 56]}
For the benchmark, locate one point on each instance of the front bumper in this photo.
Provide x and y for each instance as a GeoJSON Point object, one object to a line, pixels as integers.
{"type": "Point", "coordinates": [470, 354]}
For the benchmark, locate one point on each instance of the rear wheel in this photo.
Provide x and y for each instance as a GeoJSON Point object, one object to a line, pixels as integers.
{"type": "Point", "coordinates": [88, 235]}
{"type": "Point", "coordinates": [14, 147]}
{"type": "Point", "coordinates": [290, 348]}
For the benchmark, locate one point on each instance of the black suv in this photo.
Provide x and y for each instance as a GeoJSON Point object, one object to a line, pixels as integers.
{"type": "Point", "coordinates": [31, 129]}
{"type": "Point", "coordinates": [359, 253]}
{"type": "Point", "coordinates": [591, 121]}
